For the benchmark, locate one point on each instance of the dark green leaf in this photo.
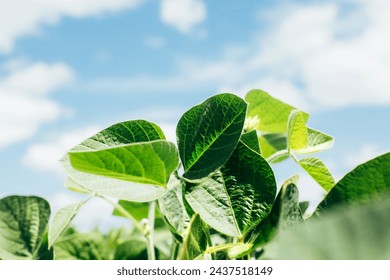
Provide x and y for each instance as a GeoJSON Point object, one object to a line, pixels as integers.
{"type": "Point", "coordinates": [251, 140]}
{"type": "Point", "coordinates": [237, 198]}
{"type": "Point", "coordinates": [23, 222]}
{"type": "Point", "coordinates": [208, 133]}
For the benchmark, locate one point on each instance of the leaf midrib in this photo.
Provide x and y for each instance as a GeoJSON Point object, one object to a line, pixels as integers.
{"type": "Point", "coordinates": [212, 142]}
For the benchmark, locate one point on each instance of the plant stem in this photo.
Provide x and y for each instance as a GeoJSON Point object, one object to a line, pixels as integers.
{"type": "Point", "coordinates": [210, 244]}
{"type": "Point", "coordinates": [150, 234]}
{"type": "Point", "coordinates": [126, 214]}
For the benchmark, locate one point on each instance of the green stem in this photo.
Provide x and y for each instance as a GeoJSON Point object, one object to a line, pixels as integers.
{"type": "Point", "coordinates": [277, 155]}
{"type": "Point", "coordinates": [150, 234]}
{"type": "Point", "coordinates": [219, 248]}
{"type": "Point", "coordinates": [174, 250]}
{"type": "Point", "coordinates": [126, 214]}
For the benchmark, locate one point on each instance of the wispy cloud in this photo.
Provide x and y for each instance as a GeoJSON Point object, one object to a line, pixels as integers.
{"type": "Point", "coordinates": [365, 153]}
{"type": "Point", "coordinates": [24, 101]}
{"type": "Point", "coordinates": [45, 156]}
{"type": "Point", "coordinates": [321, 56]}
{"type": "Point", "coordinates": [22, 17]}
{"type": "Point", "coordinates": [183, 15]}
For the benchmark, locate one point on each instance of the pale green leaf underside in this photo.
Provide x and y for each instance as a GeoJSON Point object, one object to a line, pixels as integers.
{"type": "Point", "coordinates": [113, 187]}
{"type": "Point", "coordinates": [297, 131]}
{"type": "Point", "coordinates": [172, 207]}
{"type": "Point", "coordinates": [208, 133]}
{"type": "Point", "coordinates": [211, 200]}
{"type": "Point", "coordinates": [272, 113]}
{"type": "Point", "coordinates": [318, 171]}
{"type": "Point", "coordinates": [62, 220]}
{"type": "Point", "coordinates": [144, 163]}
{"type": "Point", "coordinates": [118, 134]}
{"type": "Point", "coordinates": [72, 185]}
{"type": "Point", "coordinates": [368, 181]}
{"type": "Point", "coordinates": [23, 222]}
{"type": "Point", "coordinates": [341, 234]}
{"type": "Point", "coordinates": [195, 240]}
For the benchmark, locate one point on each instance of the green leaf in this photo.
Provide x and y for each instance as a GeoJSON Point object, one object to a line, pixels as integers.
{"type": "Point", "coordinates": [139, 210]}
{"type": "Point", "coordinates": [251, 140]}
{"type": "Point", "coordinates": [208, 133]}
{"type": "Point", "coordinates": [131, 250]}
{"type": "Point", "coordinates": [285, 213]}
{"type": "Point", "coordinates": [117, 244]}
{"type": "Point", "coordinates": [62, 220]}
{"type": "Point", "coordinates": [316, 141]}
{"type": "Point", "coordinates": [271, 113]}
{"type": "Point", "coordinates": [304, 205]}
{"type": "Point", "coordinates": [341, 234]}
{"type": "Point", "coordinates": [195, 239]}
{"type": "Point", "coordinates": [318, 171]}
{"type": "Point", "coordinates": [23, 222]}
{"type": "Point", "coordinates": [172, 208]}
{"type": "Point", "coordinates": [87, 246]}
{"type": "Point", "coordinates": [297, 131]}
{"type": "Point", "coordinates": [115, 136]}
{"type": "Point", "coordinates": [237, 198]}
{"type": "Point", "coordinates": [44, 252]}
{"type": "Point", "coordinates": [145, 163]}
{"type": "Point", "coordinates": [272, 143]}
{"type": "Point", "coordinates": [368, 181]}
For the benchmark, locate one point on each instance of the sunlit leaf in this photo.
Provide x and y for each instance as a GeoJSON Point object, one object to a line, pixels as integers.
{"type": "Point", "coordinates": [271, 113]}
{"type": "Point", "coordinates": [318, 171]}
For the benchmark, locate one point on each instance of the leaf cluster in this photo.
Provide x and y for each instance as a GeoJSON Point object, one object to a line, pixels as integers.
{"type": "Point", "coordinates": [211, 195]}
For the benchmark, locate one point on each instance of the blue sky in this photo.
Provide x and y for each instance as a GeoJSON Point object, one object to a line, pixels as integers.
{"type": "Point", "coordinates": [70, 68]}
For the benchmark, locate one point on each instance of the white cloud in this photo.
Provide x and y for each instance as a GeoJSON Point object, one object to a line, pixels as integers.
{"type": "Point", "coordinates": [304, 46]}
{"type": "Point", "coordinates": [23, 17]}
{"type": "Point", "coordinates": [45, 156]}
{"type": "Point", "coordinates": [312, 56]}
{"type": "Point", "coordinates": [365, 153]}
{"type": "Point", "coordinates": [24, 104]}
{"type": "Point", "coordinates": [184, 15]}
